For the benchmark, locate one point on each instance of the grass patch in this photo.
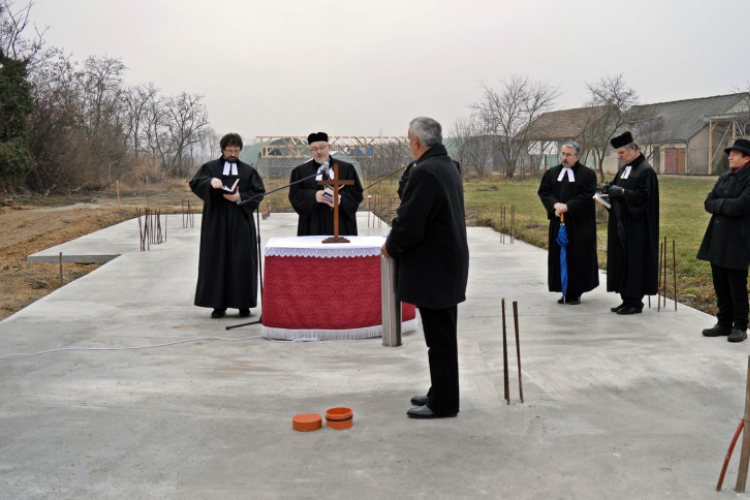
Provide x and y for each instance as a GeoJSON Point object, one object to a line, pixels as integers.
{"type": "Point", "coordinates": [682, 218]}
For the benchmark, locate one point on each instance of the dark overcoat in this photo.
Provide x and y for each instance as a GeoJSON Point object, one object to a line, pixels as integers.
{"type": "Point", "coordinates": [428, 235]}
{"type": "Point", "coordinates": [727, 239]}
{"type": "Point", "coordinates": [580, 223]}
{"type": "Point", "coordinates": [228, 265]}
{"type": "Point", "coordinates": [317, 218]}
{"type": "Point", "coordinates": [633, 232]}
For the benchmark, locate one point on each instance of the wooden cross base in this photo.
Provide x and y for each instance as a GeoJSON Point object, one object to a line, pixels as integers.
{"type": "Point", "coordinates": [336, 239]}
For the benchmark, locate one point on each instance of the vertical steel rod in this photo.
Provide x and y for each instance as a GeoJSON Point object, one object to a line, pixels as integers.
{"type": "Point", "coordinates": [674, 271]}
{"type": "Point", "coordinates": [664, 267]}
{"type": "Point", "coordinates": [745, 453]}
{"type": "Point", "coordinates": [61, 270]}
{"type": "Point", "coordinates": [518, 349]}
{"type": "Point", "coordinates": [658, 286]}
{"type": "Point", "coordinates": [506, 385]}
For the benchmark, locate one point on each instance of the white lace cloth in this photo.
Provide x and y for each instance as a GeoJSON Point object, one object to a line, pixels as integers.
{"type": "Point", "coordinates": [313, 246]}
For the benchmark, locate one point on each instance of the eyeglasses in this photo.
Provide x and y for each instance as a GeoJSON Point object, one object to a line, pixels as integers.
{"type": "Point", "coordinates": [232, 151]}
{"type": "Point", "coordinates": [566, 155]}
{"type": "Point", "coordinates": [316, 149]}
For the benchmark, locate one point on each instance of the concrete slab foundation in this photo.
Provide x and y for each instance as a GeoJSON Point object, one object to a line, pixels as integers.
{"type": "Point", "coordinates": [616, 407]}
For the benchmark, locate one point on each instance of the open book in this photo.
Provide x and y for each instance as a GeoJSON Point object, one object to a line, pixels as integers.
{"type": "Point", "coordinates": [233, 188]}
{"type": "Point", "coordinates": [604, 201]}
{"type": "Point", "coordinates": [328, 192]}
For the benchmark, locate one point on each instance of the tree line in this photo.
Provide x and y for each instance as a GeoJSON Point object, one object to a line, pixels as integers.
{"type": "Point", "coordinates": [67, 125]}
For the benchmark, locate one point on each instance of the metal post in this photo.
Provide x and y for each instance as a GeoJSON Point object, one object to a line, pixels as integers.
{"type": "Point", "coordinates": [506, 384]}
{"type": "Point", "coordinates": [745, 453]}
{"type": "Point", "coordinates": [518, 348]}
{"type": "Point", "coordinates": [391, 306]}
{"type": "Point", "coordinates": [674, 272]}
{"type": "Point", "coordinates": [61, 270]}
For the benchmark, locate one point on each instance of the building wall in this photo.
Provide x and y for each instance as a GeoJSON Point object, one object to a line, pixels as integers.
{"type": "Point", "coordinates": [697, 153]}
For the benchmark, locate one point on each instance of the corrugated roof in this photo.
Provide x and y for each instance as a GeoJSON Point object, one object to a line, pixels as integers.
{"type": "Point", "coordinates": [681, 120]}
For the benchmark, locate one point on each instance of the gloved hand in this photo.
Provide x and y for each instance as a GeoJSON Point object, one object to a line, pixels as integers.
{"type": "Point", "coordinates": [605, 188]}
{"type": "Point", "coordinates": [615, 192]}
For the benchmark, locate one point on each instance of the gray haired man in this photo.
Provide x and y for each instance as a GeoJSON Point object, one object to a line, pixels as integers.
{"type": "Point", "coordinates": [428, 238]}
{"type": "Point", "coordinates": [567, 190]}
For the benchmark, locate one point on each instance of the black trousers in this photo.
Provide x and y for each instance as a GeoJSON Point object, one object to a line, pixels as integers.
{"type": "Point", "coordinates": [731, 296]}
{"type": "Point", "coordinates": [635, 301]}
{"type": "Point", "coordinates": [440, 331]}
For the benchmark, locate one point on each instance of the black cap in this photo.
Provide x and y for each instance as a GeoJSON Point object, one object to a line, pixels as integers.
{"type": "Point", "coordinates": [740, 145]}
{"type": "Point", "coordinates": [622, 140]}
{"type": "Point", "coordinates": [317, 137]}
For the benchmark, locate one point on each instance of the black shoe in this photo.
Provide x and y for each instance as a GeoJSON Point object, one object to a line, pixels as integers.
{"type": "Point", "coordinates": [573, 301]}
{"type": "Point", "coordinates": [425, 412]}
{"type": "Point", "coordinates": [735, 336]}
{"type": "Point", "coordinates": [218, 313]}
{"type": "Point", "coordinates": [618, 308]}
{"type": "Point", "coordinates": [561, 300]}
{"type": "Point", "coordinates": [716, 331]}
{"type": "Point", "coordinates": [420, 400]}
{"type": "Point", "coordinates": [245, 313]}
{"type": "Point", "coordinates": [629, 310]}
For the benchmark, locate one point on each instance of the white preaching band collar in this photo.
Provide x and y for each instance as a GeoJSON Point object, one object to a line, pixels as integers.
{"type": "Point", "coordinates": [626, 173]}
{"type": "Point", "coordinates": [233, 168]}
{"type": "Point", "coordinates": [571, 175]}
{"type": "Point", "coordinates": [322, 169]}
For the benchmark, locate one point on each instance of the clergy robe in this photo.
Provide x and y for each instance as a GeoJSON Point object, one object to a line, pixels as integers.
{"type": "Point", "coordinates": [317, 218]}
{"type": "Point", "coordinates": [633, 232]}
{"type": "Point", "coordinates": [580, 223]}
{"type": "Point", "coordinates": [228, 266]}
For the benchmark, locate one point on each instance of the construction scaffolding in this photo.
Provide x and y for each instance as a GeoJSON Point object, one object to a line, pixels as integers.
{"type": "Point", "coordinates": [295, 146]}
{"type": "Point", "coordinates": [737, 125]}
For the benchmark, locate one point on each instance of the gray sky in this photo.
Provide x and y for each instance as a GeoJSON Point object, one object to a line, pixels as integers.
{"type": "Point", "coordinates": [348, 67]}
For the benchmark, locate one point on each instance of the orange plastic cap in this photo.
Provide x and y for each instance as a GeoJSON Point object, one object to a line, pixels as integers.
{"type": "Point", "coordinates": [307, 422]}
{"type": "Point", "coordinates": [339, 418]}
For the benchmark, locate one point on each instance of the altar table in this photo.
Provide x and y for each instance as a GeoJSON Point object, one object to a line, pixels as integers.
{"type": "Point", "coordinates": [325, 291]}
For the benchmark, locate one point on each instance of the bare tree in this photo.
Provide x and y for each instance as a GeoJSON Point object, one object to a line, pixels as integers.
{"type": "Point", "coordinates": [186, 117]}
{"type": "Point", "coordinates": [608, 102]}
{"type": "Point", "coordinates": [508, 115]}
{"type": "Point", "coordinates": [14, 21]}
{"type": "Point", "coordinates": [472, 149]}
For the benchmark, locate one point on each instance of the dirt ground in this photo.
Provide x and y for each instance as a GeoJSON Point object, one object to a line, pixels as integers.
{"type": "Point", "coordinates": [30, 223]}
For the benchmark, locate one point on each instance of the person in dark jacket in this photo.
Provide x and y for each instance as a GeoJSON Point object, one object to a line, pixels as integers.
{"type": "Point", "coordinates": [633, 231]}
{"type": "Point", "coordinates": [228, 265]}
{"type": "Point", "coordinates": [568, 189]}
{"type": "Point", "coordinates": [405, 177]}
{"type": "Point", "coordinates": [428, 238]}
{"type": "Point", "coordinates": [726, 244]}
{"type": "Point", "coordinates": [315, 210]}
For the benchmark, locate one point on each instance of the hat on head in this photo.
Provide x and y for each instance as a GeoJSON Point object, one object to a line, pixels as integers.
{"type": "Point", "coordinates": [622, 140]}
{"type": "Point", "coordinates": [317, 137]}
{"type": "Point", "coordinates": [740, 145]}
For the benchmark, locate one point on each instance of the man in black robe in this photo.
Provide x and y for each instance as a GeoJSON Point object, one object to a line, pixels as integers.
{"type": "Point", "coordinates": [314, 209]}
{"type": "Point", "coordinates": [633, 231]}
{"type": "Point", "coordinates": [726, 244]}
{"type": "Point", "coordinates": [569, 189]}
{"type": "Point", "coordinates": [228, 266]}
{"type": "Point", "coordinates": [428, 239]}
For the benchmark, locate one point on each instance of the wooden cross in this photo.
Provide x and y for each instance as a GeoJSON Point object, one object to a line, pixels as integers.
{"type": "Point", "coordinates": [335, 182]}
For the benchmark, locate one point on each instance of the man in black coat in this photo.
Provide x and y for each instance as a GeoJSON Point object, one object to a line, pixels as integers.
{"type": "Point", "coordinates": [228, 266]}
{"type": "Point", "coordinates": [726, 244]}
{"type": "Point", "coordinates": [316, 210]}
{"type": "Point", "coordinates": [428, 238]}
{"type": "Point", "coordinates": [568, 190]}
{"type": "Point", "coordinates": [633, 231]}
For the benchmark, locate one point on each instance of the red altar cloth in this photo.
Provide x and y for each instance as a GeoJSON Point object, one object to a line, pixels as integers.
{"type": "Point", "coordinates": [326, 293]}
